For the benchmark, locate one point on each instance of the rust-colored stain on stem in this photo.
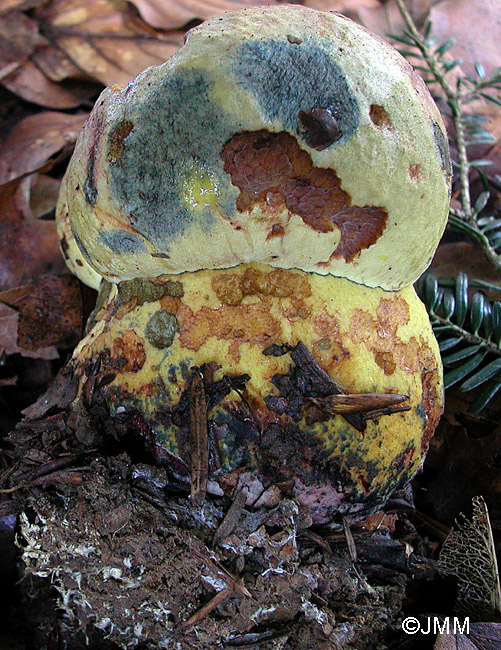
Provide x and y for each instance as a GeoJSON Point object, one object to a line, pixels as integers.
{"type": "Point", "coordinates": [272, 171]}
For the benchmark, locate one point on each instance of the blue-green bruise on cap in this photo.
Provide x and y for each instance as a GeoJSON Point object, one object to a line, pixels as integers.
{"type": "Point", "coordinates": [290, 76]}
{"type": "Point", "coordinates": [181, 129]}
{"type": "Point", "coordinates": [178, 129]}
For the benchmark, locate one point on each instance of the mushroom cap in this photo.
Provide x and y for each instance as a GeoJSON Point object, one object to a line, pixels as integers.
{"type": "Point", "coordinates": [276, 134]}
{"type": "Point", "coordinates": [151, 334]}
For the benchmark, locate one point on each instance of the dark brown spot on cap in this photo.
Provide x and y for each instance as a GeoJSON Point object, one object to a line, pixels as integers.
{"type": "Point", "coordinates": [414, 172]}
{"type": "Point", "coordinates": [116, 140]}
{"type": "Point", "coordinates": [273, 172]}
{"type": "Point", "coordinates": [379, 116]}
{"type": "Point", "coordinates": [319, 128]}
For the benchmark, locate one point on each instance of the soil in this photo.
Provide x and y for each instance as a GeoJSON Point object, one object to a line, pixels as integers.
{"type": "Point", "coordinates": [112, 553]}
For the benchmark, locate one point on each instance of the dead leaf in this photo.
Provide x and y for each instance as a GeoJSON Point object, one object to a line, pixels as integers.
{"type": "Point", "coordinates": [35, 139]}
{"type": "Point", "coordinates": [43, 195]}
{"type": "Point", "coordinates": [50, 311]}
{"type": "Point", "coordinates": [61, 392]}
{"type": "Point", "coordinates": [176, 14]}
{"type": "Point", "coordinates": [21, 5]}
{"type": "Point", "coordinates": [476, 26]}
{"type": "Point", "coordinates": [56, 65]}
{"type": "Point", "coordinates": [454, 642]}
{"type": "Point", "coordinates": [453, 257]}
{"type": "Point", "coordinates": [380, 16]}
{"type": "Point", "coordinates": [18, 37]}
{"type": "Point", "coordinates": [106, 39]}
{"type": "Point", "coordinates": [29, 83]}
{"type": "Point", "coordinates": [28, 248]}
{"type": "Point", "coordinates": [9, 319]}
{"type": "Point", "coordinates": [481, 636]}
{"type": "Point", "coordinates": [486, 636]}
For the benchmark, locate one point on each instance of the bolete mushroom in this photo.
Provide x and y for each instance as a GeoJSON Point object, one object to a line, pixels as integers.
{"type": "Point", "coordinates": [258, 207]}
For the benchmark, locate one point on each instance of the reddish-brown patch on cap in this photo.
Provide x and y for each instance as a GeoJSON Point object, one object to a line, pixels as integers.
{"type": "Point", "coordinates": [272, 171]}
{"type": "Point", "coordinates": [239, 324]}
{"type": "Point", "coordinates": [231, 288]}
{"type": "Point", "coordinates": [128, 352]}
{"type": "Point", "coordinates": [432, 405]}
{"type": "Point", "coordinates": [380, 335]}
{"type": "Point", "coordinates": [116, 140]}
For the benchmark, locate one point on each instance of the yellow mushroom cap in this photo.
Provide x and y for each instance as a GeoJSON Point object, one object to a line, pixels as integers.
{"type": "Point", "coordinates": [152, 334]}
{"type": "Point", "coordinates": [280, 135]}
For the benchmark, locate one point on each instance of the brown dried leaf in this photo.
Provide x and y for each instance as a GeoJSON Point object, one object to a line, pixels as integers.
{"type": "Point", "coordinates": [18, 37]}
{"type": "Point", "coordinates": [28, 248]}
{"type": "Point", "coordinates": [106, 39]}
{"type": "Point", "coordinates": [61, 392]}
{"type": "Point", "coordinates": [476, 25]}
{"type": "Point", "coordinates": [9, 319]}
{"type": "Point", "coordinates": [355, 9]}
{"type": "Point", "coordinates": [175, 14]}
{"type": "Point", "coordinates": [380, 16]}
{"type": "Point", "coordinates": [44, 194]}
{"type": "Point", "coordinates": [50, 311]}
{"type": "Point", "coordinates": [454, 642]}
{"type": "Point", "coordinates": [56, 65]}
{"type": "Point", "coordinates": [21, 5]}
{"type": "Point", "coordinates": [462, 256]}
{"type": "Point", "coordinates": [481, 636]}
{"type": "Point", "coordinates": [487, 636]}
{"type": "Point", "coordinates": [469, 554]}
{"type": "Point", "coordinates": [29, 83]}
{"type": "Point", "coordinates": [33, 141]}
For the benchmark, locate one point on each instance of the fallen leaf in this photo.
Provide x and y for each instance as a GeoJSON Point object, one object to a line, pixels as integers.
{"type": "Point", "coordinates": [481, 636]}
{"type": "Point", "coordinates": [475, 25]}
{"type": "Point", "coordinates": [176, 14]}
{"type": "Point", "coordinates": [55, 64]}
{"type": "Point", "coordinates": [380, 16]}
{"type": "Point", "coordinates": [32, 85]}
{"type": "Point", "coordinates": [22, 5]}
{"type": "Point", "coordinates": [18, 37]}
{"type": "Point", "coordinates": [33, 141]}
{"type": "Point", "coordinates": [454, 642]}
{"type": "Point", "coordinates": [61, 392]}
{"type": "Point", "coordinates": [487, 636]}
{"type": "Point", "coordinates": [43, 195]}
{"type": "Point", "coordinates": [50, 311]}
{"type": "Point", "coordinates": [453, 257]}
{"type": "Point", "coordinates": [28, 248]}
{"type": "Point", "coordinates": [106, 39]}
{"type": "Point", "coordinates": [9, 319]}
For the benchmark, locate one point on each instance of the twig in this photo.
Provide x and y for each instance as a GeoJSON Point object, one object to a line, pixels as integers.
{"type": "Point", "coordinates": [231, 518]}
{"type": "Point", "coordinates": [199, 441]}
{"type": "Point", "coordinates": [208, 607]}
{"type": "Point", "coordinates": [220, 572]}
{"type": "Point", "coordinates": [352, 549]}
{"type": "Point", "coordinates": [357, 402]}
